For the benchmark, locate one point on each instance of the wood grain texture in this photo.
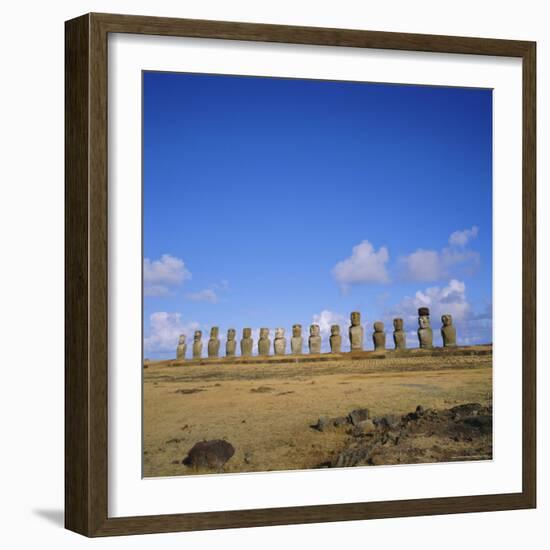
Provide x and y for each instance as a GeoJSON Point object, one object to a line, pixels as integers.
{"type": "Point", "coordinates": [165, 26]}
{"type": "Point", "coordinates": [86, 259]}
{"type": "Point", "coordinates": [77, 459]}
{"type": "Point", "coordinates": [529, 276]}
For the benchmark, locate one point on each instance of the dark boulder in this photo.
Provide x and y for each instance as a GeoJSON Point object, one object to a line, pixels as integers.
{"type": "Point", "coordinates": [325, 423]}
{"type": "Point", "coordinates": [416, 415]}
{"type": "Point", "coordinates": [322, 424]}
{"type": "Point", "coordinates": [211, 454]}
{"type": "Point", "coordinates": [351, 457]}
{"type": "Point", "coordinates": [340, 421]}
{"type": "Point", "coordinates": [468, 409]}
{"type": "Point", "coordinates": [388, 422]}
{"type": "Point", "coordinates": [363, 428]}
{"type": "Point", "coordinates": [483, 423]}
{"type": "Point", "coordinates": [358, 415]}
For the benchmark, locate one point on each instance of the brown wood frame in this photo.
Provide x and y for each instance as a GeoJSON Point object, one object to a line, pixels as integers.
{"type": "Point", "coordinates": [86, 274]}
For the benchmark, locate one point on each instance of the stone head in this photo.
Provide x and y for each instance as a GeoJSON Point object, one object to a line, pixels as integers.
{"type": "Point", "coordinates": [231, 334]}
{"type": "Point", "coordinates": [398, 324]}
{"type": "Point", "coordinates": [335, 330]}
{"type": "Point", "coordinates": [424, 321]}
{"type": "Point", "coordinates": [198, 335]}
{"type": "Point", "coordinates": [247, 332]}
{"type": "Point", "coordinates": [447, 320]}
{"type": "Point", "coordinates": [214, 331]}
{"type": "Point", "coordinates": [181, 340]}
{"type": "Point", "coordinates": [314, 330]}
{"type": "Point", "coordinates": [296, 331]}
{"type": "Point", "coordinates": [264, 333]}
{"type": "Point", "coordinates": [378, 326]}
{"type": "Point", "coordinates": [355, 318]}
{"type": "Point", "coordinates": [279, 333]}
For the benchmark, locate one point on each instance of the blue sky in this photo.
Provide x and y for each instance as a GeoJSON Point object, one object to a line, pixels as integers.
{"type": "Point", "coordinates": [271, 201]}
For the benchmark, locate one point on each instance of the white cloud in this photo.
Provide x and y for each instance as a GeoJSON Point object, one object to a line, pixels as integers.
{"type": "Point", "coordinates": [206, 295]}
{"type": "Point", "coordinates": [210, 295]}
{"type": "Point", "coordinates": [461, 238]}
{"type": "Point", "coordinates": [433, 265]}
{"type": "Point", "coordinates": [422, 265]}
{"type": "Point", "coordinates": [365, 265]}
{"type": "Point", "coordinates": [160, 275]}
{"type": "Point", "coordinates": [477, 328]}
{"type": "Point", "coordinates": [472, 328]}
{"type": "Point", "coordinates": [325, 320]}
{"type": "Point", "coordinates": [163, 333]}
{"type": "Point", "coordinates": [448, 299]}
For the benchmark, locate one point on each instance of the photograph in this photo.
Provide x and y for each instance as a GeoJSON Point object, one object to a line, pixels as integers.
{"type": "Point", "coordinates": [317, 274]}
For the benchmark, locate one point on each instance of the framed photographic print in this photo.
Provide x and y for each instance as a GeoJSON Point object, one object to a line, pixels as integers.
{"type": "Point", "coordinates": [300, 274]}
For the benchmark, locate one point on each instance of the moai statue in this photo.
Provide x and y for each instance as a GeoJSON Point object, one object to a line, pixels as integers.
{"type": "Point", "coordinates": [425, 333]}
{"type": "Point", "coordinates": [247, 343]}
{"type": "Point", "coordinates": [448, 331]}
{"type": "Point", "coordinates": [279, 343]}
{"type": "Point", "coordinates": [214, 342]}
{"type": "Point", "coordinates": [296, 342]}
{"type": "Point", "coordinates": [231, 343]}
{"type": "Point", "coordinates": [356, 332]}
{"type": "Point", "coordinates": [399, 336]}
{"type": "Point", "coordinates": [197, 344]}
{"type": "Point", "coordinates": [335, 339]}
{"type": "Point", "coordinates": [182, 347]}
{"type": "Point", "coordinates": [379, 336]}
{"type": "Point", "coordinates": [264, 343]}
{"type": "Point", "coordinates": [314, 339]}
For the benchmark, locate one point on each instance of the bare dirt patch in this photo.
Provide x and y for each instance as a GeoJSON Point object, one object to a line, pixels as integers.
{"type": "Point", "coordinates": [187, 391]}
{"type": "Point", "coordinates": [271, 429]}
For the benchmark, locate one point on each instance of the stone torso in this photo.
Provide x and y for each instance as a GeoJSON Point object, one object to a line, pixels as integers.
{"type": "Point", "coordinates": [246, 342]}
{"type": "Point", "coordinates": [399, 336]}
{"type": "Point", "coordinates": [356, 332]}
{"type": "Point", "coordinates": [231, 343]}
{"type": "Point", "coordinates": [425, 333]}
{"type": "Point", "coordinates": [182, 347]}
{"type": "Point", "coordinates": [314, 339]}
{"type": "Point", "coordinates": [197, 345]}
{"type": "Point", "coordinates": [264, 343]}
{"type": "Point", "coordinates": [379, 337]}
{"type": "Point", "coordinates": [296, 342]}
{"type": "Point", "coordinates": [181, 351]}
{"type": "Point", "coordinates": [356, 338]}
{"type": "Point", "coordinates": [279, 343]}
{"type": "Point", "coordinates": [335, 339]}
{"type": "Point", "coordinates": [214, 343]}
{"type": "Point", "coordinates": [448, 331]}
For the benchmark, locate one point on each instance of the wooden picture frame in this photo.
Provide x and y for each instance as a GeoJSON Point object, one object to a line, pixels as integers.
{"type": "Point", "coordinates": [86, 283]}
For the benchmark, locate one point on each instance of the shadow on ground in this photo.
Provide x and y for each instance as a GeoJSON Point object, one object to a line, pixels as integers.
{"type": "Point", "coordinates": [57, 517]}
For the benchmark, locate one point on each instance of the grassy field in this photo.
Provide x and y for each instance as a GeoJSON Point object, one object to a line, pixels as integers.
{"type": "Point", "coordinates": [266, 410]}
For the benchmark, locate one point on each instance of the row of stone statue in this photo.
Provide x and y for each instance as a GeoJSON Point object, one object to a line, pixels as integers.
{"type": "Point", "coordinates": [425, 338]}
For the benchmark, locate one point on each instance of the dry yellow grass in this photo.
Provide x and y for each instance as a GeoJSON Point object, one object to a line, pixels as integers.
{"type": "Point", "coordinates": [265, 410]}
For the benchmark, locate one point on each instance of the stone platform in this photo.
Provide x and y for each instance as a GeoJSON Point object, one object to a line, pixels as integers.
{"type": "Point", "coordinates": [324, 357]}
